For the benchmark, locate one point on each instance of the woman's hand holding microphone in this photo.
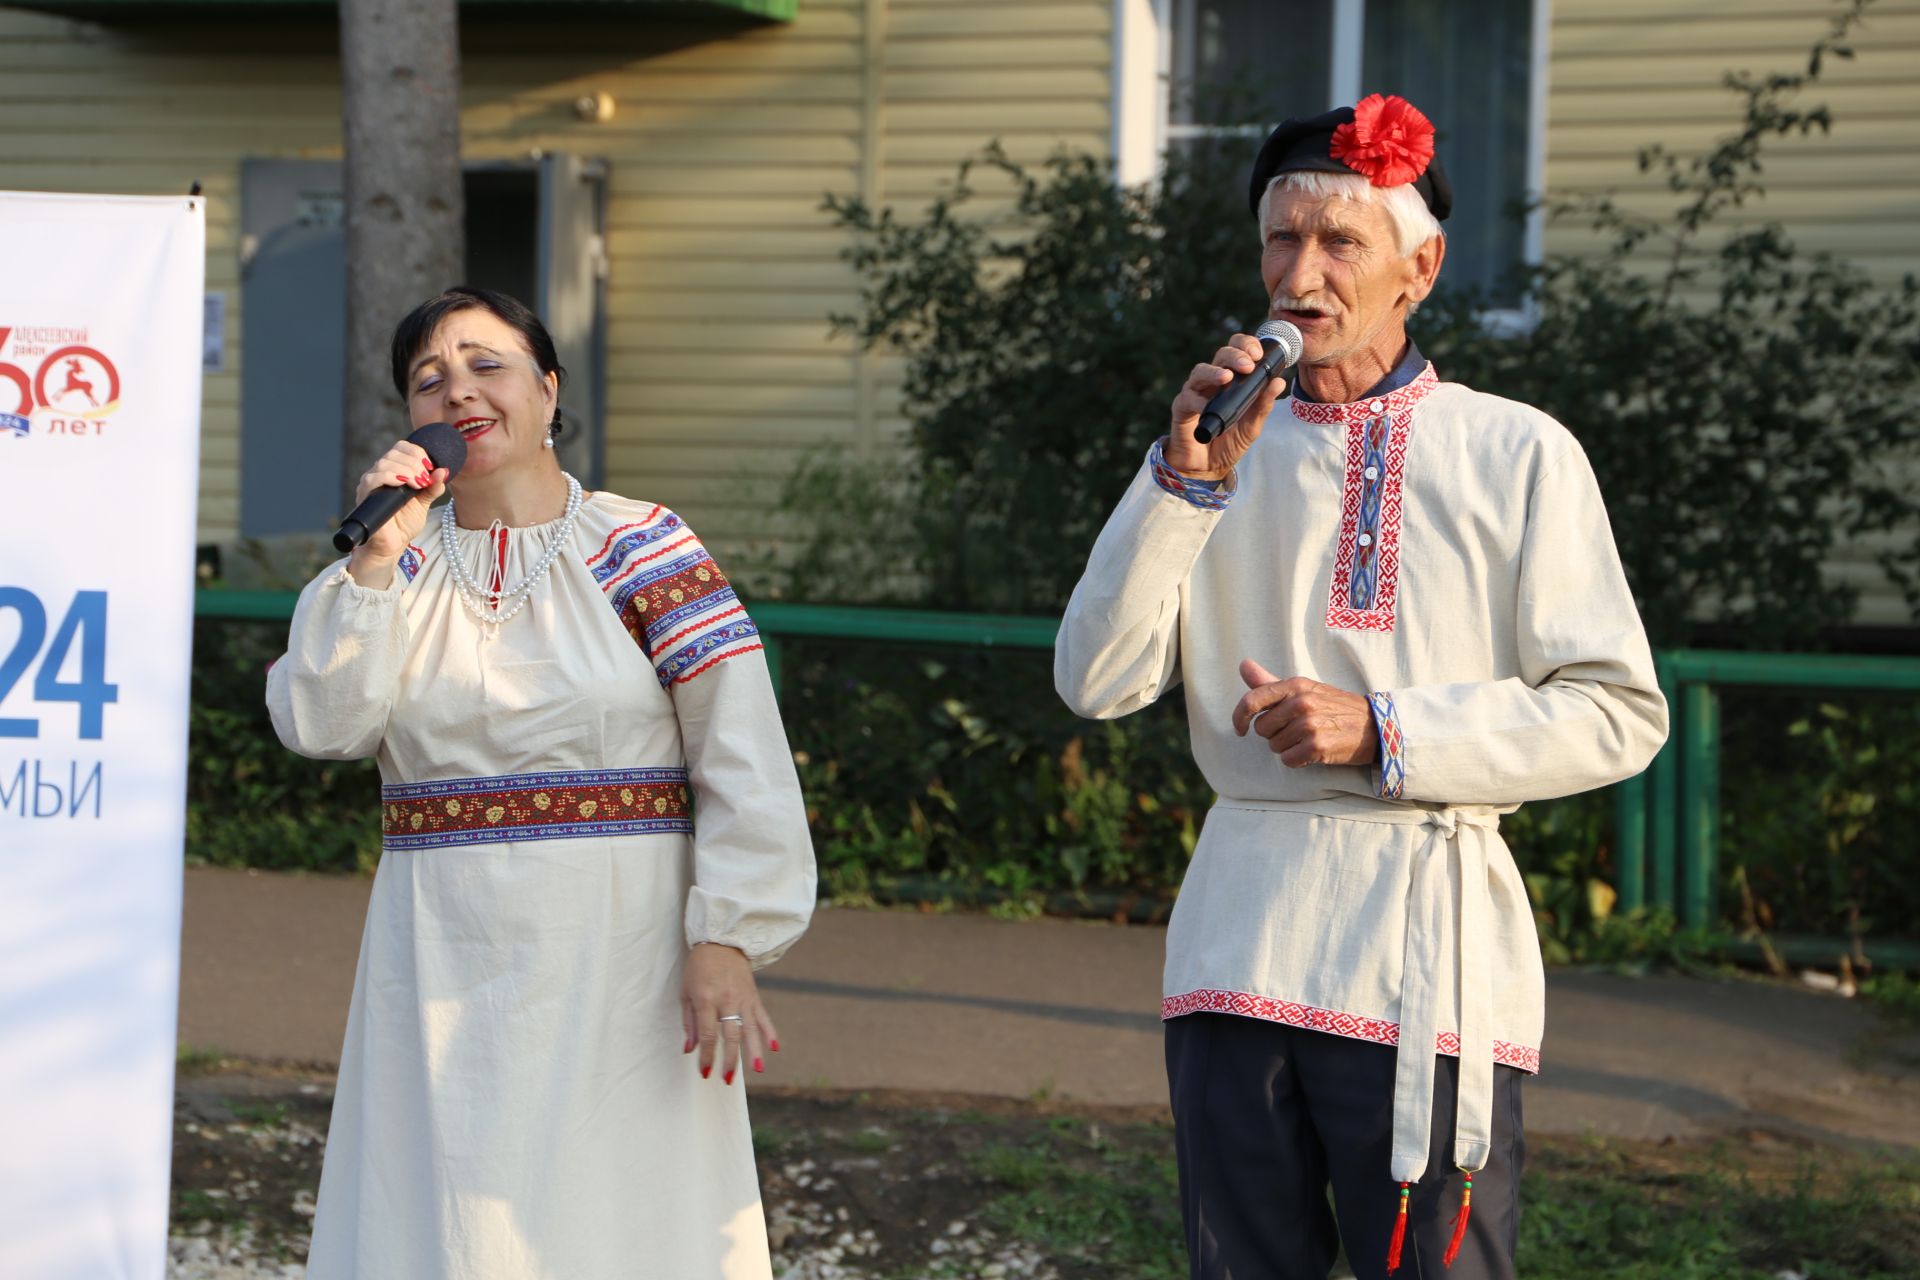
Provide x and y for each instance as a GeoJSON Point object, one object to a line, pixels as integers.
{"type": "Point", "coordinates": [405, 465]}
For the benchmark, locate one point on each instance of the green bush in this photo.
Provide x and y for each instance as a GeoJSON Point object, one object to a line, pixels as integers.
{"type": "Point", "coordinates": [1820, 801]}
{"type": "Point", "coordinates": [250, 801]}
{"type": "Point", "coordinates": [953, 773]}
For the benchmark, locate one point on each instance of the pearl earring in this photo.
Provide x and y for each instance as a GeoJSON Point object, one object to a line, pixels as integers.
{"type": "Point", "coordinates": [547, 443]}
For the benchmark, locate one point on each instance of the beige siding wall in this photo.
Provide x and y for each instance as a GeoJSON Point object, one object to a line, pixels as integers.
{"type": "Point", "coordinates": [1625, 73]}
{"type": "Point", "coordinates": [721, 370]}
{"type": "Point", "coordinates": [148, 111]}
{"type": "Point", "coordinates": [725, 138]}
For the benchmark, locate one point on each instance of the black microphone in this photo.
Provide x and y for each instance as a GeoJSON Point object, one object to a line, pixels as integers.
{"type": "Point", "coordinates": [1282, 343]}
{"type": "Point", "coordinates": [445, 447]}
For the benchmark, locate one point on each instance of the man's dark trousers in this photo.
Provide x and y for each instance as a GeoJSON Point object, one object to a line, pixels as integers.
{"type": "Point", "coordinates": [1267, 1117]}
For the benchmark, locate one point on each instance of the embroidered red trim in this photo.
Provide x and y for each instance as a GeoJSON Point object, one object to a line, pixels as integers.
{"type": "Point", "coordinates": [1393, 403]}
{"type": "Point", "coordinates": [615, 535]}
{"type": "Point", "coordinates": [628, 570]}
{"type": "Point", "coordinates": [711, 663]}
{"type": "Point", "coordinates": [702, 625]}
{"type": "Point", "coordinates": [669, 596]}
{"type": "Point", "coordinates": [1397, 406]}
{"type": "Point", "coordinates": [445, 817]}
{"type": "Point", "coordinates": [1352, 1025]}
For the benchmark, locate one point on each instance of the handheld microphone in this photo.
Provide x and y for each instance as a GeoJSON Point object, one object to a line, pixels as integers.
{"type": "Point", "coordinates": [1282, 343]}
{"type": "Point", "coordinates": [445, 447]}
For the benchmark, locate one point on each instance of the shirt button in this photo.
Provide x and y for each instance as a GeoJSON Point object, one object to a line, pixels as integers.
{"type": "Point", "coordinates": [1366, 539]}
{"type": "Point", "coordinates": [1378, 406]}
{"type": "Point", "coordinates": [1373, 473]}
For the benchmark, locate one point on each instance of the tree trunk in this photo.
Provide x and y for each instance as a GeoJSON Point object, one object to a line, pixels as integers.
{"type": "Point", "coordinates": [406, 241]}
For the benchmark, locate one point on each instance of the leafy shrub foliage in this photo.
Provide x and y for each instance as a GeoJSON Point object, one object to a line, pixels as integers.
{"type": "Point", "coordinates": [955, 774]}
{"type": "Point", "coordinates": [250, 801]}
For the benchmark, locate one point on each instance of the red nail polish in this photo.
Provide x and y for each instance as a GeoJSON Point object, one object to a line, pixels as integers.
{"type": "Point", "coordinates": [705, 1072]}
{"type": "Point", "coordinates": [758, 1065]}
{"type": "Point", "coordinates": [776, 1046]}
{"type": "Point", "coordinates": [727, 1078]}
{"type": "Point", "coordinates": [688, 1047]}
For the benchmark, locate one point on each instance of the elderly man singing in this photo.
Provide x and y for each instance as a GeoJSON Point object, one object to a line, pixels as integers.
{"type": "Point", "coordinates": [1397, 609]}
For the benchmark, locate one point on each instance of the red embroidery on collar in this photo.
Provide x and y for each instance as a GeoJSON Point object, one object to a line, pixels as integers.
{"type": "Point", "coordinates": [1393, 403]}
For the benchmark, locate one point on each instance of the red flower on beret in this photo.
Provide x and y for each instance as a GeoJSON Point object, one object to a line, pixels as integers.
{"type": "Point", "coordinates": [1389, 143]}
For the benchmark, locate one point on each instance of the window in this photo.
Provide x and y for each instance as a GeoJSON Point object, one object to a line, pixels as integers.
{"type": "Point", "coordinates": [1475, 66]}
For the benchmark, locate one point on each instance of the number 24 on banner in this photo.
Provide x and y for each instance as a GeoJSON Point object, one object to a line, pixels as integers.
{"type": "Point", "coordinates": [87, 620]}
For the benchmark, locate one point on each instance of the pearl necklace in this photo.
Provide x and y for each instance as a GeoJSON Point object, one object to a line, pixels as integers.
{"type": "Point", "coordinates": [477, 600]}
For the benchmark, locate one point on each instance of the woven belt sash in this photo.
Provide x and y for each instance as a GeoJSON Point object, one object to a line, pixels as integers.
{"type": "Point", "coordinates": [535, 806]}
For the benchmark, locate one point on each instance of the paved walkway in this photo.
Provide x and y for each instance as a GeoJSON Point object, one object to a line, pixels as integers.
{"type": "Point", "coordinates": [966, 1003]}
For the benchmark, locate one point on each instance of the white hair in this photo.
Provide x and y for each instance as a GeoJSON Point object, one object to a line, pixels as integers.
{"type": "Point", "coordinates": [1413, 223]}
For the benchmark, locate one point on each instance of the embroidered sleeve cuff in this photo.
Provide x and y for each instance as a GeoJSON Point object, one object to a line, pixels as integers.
{"type": "Point", "coordinates": [1393, 746]}
{"type": "Point", "coordinates": [1209, 495]}
{"type": "Point", "coordinates": [405, 570]}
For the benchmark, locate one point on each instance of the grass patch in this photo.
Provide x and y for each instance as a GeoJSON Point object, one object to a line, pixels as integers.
{"type": "Point", "coordinates": [1717, 1213]}
{"type": "Point", "coordinates": [1896, 996]}
{"type": "Point", "coordinates": [1629, 1211]}
{"type": "Point", "coordinates": [192, 1060]}
{"type": "Point", "coordinates": [871, 1140]}
{"type": "Point", "coordinates": [198, 1205]}
{"type": "Point", "coordinates": [267, 1115]}
{"type": "Point", "coordinates": [770, 1143]}
{"type": "Point", "coordinates": [1078, 1199]}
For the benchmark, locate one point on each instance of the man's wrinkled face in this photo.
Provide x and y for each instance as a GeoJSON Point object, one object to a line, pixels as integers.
{"type": "Point", "coordinates": [1333, 269]}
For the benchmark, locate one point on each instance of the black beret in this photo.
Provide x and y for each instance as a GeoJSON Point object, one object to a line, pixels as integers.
{"type": "Point", "coordinates": [1308, 145]}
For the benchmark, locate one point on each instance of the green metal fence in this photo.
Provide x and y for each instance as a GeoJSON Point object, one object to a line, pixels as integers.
{"type": "Point", "coordinates": [1667, 819]}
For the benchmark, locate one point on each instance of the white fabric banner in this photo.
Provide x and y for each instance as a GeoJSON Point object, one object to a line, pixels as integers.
{"type": "Point", "coordinates": [100, 313]}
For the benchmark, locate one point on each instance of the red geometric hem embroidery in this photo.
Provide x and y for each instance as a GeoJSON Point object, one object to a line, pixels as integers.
{"type": "Point", "coordinates": [1352, 1025]}
{"type": "Point", "coordinates": [1379, 557]}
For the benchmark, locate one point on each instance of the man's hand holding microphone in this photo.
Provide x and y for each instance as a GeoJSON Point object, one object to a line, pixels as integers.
{"type": "Point", "coordinates": [1219, 412]}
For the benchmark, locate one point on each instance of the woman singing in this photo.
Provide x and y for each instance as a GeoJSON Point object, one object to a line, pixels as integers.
{"type": "Point", "coordinates": [593, 836]}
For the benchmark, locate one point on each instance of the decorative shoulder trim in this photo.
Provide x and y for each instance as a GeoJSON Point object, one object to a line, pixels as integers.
{"type": "Point", "coordinates": [672, 598]}
{"type": "Point", "coordinates": [1200, 493]}
{"type": "Point", "coordinates": [1393, 746]}
{"type": "Point", "coordinates": [628, 540]}
{"type": "Point", "coordinates": [1366, 568]}
{"type": "Point", "coordinates": [410, 562]}
{"type": "Point", "coordinates": [1332, 1021]}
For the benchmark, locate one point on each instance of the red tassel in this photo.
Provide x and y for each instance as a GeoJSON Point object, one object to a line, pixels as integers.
{"type": "Point", "coordinates": [1460, 1224]}
{"type": "Point", "coordinates": [1399, 1230]}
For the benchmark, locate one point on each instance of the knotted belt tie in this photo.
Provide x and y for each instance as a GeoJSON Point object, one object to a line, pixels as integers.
{"type": "Point", "coordinates": [1458, 835]}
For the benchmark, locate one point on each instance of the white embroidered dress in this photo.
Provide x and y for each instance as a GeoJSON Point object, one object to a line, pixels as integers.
{"type": "Point", "coordinates": [513, 1102]}
{"type": "Point", "coordinates": [1447, 553]}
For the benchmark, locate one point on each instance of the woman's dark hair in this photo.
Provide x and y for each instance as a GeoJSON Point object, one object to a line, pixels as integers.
{"type": "Point", "coordinates": [414, 332]}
